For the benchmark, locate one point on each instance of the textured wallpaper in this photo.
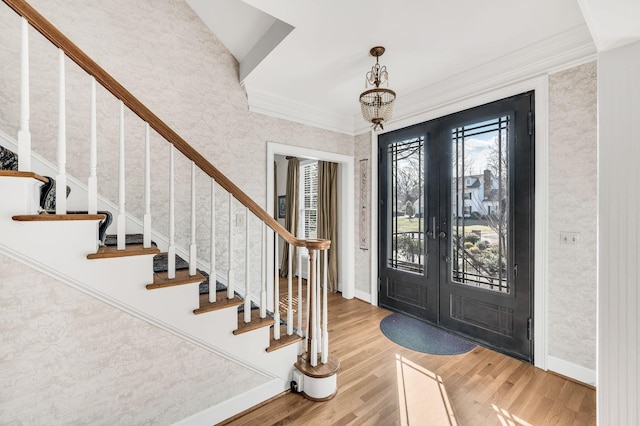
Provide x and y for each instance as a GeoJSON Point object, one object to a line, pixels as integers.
{"type": "Point", "coordinates": [572, 208]}
{"type": "Point", "coordinates": [164, 55]}
{"type": "Point", "coordinates": [66, 358]}
{"type": "Point", "coordinates": [362, 148]}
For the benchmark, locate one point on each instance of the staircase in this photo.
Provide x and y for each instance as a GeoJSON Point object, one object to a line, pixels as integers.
{"type": "Point", "coordinates": [239, 320]}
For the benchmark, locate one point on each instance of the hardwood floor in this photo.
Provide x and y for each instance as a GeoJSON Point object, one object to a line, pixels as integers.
{"type": "Point", "coordinates": [382, 383]}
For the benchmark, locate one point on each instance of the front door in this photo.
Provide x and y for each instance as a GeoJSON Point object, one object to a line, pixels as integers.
{"type": "Point", "coordinates": [456, 223]}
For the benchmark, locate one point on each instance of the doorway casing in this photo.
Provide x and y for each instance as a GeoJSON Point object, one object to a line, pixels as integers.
{"type": "Point", "coordinates": [346, 194]}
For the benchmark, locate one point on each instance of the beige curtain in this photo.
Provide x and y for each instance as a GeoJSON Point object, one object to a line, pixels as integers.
{"type": "Point", "coordinates": [328, 218]}
{"type": "Point", "coordinates": [291, 216]}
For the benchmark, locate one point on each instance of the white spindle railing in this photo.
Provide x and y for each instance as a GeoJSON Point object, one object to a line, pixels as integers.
{"type": "Point", "coordinates": [290, 293]}
{"type": "Point", "coordinates": [212, 269]}
{"type": "Point", "coordinates": [92, 182]}
{"type": "Point", "coordinates": [146, 219]}
{"type": "Point", "coordinates": [230, 275]}
{"type": "Point", "coordinates": [313, 313]}
{"type": "Point", "coordinates": [61, 177]}
{"type": "Point", "coordinates": [24, 134]}
{"type": "Point", "coordinates": [300, 297]}
{"type": "Point", "coordinates": [308, 305]}
{"type": "Point", "coordinates": [192, 247]}
{"type": "Point", "coordinates": [325, 313]}
{"type": "Point", "coordinates": [276, 287]}
{"type": "Point", "coordinates": [171, 253]}
{"type": "Point", "coordinates": [247, 267]}
{"type": "Point", "coordinates": [122, 219]}
{"type": "Point", "coordinates": [263, 275]}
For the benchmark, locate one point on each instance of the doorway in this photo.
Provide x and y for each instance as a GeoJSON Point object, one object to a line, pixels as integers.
{"type": "Point", "coordinates": [456, 223]}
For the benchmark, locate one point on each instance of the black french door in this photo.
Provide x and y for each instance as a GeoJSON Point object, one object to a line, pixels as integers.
{"type": "Point", "coordinates": [456, 223]}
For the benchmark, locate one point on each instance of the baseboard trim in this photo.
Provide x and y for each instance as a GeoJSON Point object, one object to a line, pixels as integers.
{"type": "Point", "coordinates": [237, 405]}
{"type": "Point", "coordinates": [362, 295]}
{"type": "Point", "coordinates": [572, 371]}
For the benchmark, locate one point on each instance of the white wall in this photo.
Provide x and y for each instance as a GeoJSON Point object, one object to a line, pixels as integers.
{"type": "Point", "coordinates": [618, 236]}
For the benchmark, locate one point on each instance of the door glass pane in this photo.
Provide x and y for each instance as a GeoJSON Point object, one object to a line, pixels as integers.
{"type": "Point", "coordinates": [479, 204]}
{"type": "Point", "coordinates": [406, 206]}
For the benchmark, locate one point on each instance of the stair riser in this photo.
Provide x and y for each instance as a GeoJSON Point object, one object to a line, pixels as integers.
{"type": "Point", "coordinates": [19, 196]}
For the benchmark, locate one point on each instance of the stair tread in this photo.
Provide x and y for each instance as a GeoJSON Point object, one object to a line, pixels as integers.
{"type": "Point", "coordinates": [256, 322]}
{"type": "Point", "coordinates": [162, 280]}
{"type": "Point", "coordinates": [16, 173]}
{"type": "Point", "coordinates": [130, 250]}
{"type": "Point", "coordinates": [285, 340]}
{"type": "Point", "coordinates": [57, 217]}
{"type": "Point", "coordinates": [222, 302]}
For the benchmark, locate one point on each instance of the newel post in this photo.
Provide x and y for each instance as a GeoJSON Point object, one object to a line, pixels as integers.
{"type": "Point", "coordinates": [319, 381]}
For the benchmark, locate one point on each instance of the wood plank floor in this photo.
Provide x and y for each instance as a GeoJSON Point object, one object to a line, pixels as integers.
{"type": "Point", "coordinates": [382, 383]}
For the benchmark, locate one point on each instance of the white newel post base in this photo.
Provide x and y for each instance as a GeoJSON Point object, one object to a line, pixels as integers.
{"type": "Point", "coordinates": [319, 383]}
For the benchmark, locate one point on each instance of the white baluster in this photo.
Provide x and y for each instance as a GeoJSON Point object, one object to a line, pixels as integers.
{"type": "Point", "coordinates": [146, 219]}
{"type": "Point", "coordinates": [61, 177]}
{"type": "Point", "coordinates": [313, 274]}
{"type": "Point", "coordinates": [247, 266]}
{"type": "Point", "coordinates": [263, 275]}
{"type": "Point", "coordinates": [230, 275]}
{"type": "Point", "coordinates": [290, 293]}
{"type": "Point", "coordinates": [92, 183]}
{"type": "Point", "coordinates": [276, 288]}
{"type": "Point", "coordinates": [318, 311]}
{"type": "Point", "coordinates": [122, 221]}
{"type": "Point", "coordinates": [192, 246]}
{"type": "Point", "coordinates": [325, 319]}
{"type": "Point", "coordinates": [171, 264]}
{"type": "Point", "coordinates": [308, 300]}
{"type": "Point", "coordinates": [212, 269]}
{"type": "Point", "coordinates": [24, 135]}
{"type": "Point", "coordinates": [300, 298]}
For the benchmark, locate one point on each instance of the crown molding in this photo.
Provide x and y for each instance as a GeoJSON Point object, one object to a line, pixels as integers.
{"type": "Point", "coordinates": [280, 107]}
{"type": "Point", "coordinates": [570, 48]}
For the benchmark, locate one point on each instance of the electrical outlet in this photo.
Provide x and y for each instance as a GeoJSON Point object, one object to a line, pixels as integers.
{"type": "Point", "coordinates": [571, 238]}
{"type": "Point", "coordinates": [239, 220]}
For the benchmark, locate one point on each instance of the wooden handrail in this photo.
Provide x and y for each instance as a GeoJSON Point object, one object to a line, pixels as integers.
{"type": "Point", "coordinates": [55, 36]}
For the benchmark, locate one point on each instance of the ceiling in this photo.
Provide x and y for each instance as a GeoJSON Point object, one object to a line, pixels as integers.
{"type": "Point", "coordinates": [305, 60]}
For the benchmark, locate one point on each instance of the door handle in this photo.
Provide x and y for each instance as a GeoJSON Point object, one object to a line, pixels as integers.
{"type": "Point", "coordinates": [442, 235]}
{"type": "Point", "coordinates": [432, 234]}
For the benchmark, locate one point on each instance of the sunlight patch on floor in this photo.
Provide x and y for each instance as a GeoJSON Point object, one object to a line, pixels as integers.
{"type": "Point", "coordinates": [422, 396]}
{"type": "Point", "coordinates": [508, 419]}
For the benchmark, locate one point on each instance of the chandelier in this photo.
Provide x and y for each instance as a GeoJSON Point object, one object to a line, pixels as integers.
{"type": "Point", "coordinates": [377, 103]}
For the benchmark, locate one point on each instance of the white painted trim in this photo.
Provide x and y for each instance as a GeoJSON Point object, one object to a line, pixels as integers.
{"type": "Point", "coordinates": [363, 295]}
{"type": "Point", "coordinates": [346, 226]}
{"type": "Point", "coordinates": [276, 106]}
{"type": "Point", "coordinates": [235, 405]}
{"type": "Point", "coordinates": [80, 286]}
{"type": "Point", "coordinates": [373, 232]}
{"type": "Point", "coordinates": [569, 369]}
{"type": "Point", "coordinates": [540, 85]}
